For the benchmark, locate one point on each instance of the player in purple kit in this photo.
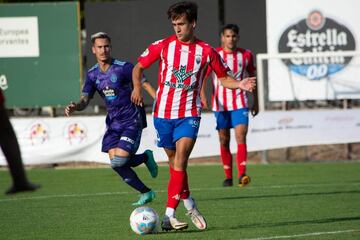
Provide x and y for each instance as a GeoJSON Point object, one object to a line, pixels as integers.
{"type": "Point", "coordinates": [112, 79]}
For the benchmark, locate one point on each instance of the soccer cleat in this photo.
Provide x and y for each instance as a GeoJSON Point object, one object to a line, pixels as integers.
{"type": "Point", "coordinates": [244, 180]}
{"type": "Point", "coordinates": [151, 164]}
{"type": "Point", "coordinates": [23, 188]}
{"type": "Point", "coordinates": [228, 182]}
{"type": "Point", "coordinates": [197, 218]}
{"type": "Point", "coordinates": [171, 223]}
{"type": "Point", "coordinates": [145, 198]}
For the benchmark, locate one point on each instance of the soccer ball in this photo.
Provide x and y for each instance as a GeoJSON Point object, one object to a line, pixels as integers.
{"type": "Point", "coordinates": [144, 220]}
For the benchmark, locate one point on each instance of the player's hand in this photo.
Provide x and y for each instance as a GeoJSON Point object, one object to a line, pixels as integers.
{"type": "Point", "coordinates": [70, 109]}
{"type": "Point", "coordinates": [136, 97]}
{"type": "Point", "coordinates": [254, 110]}
{"type": "Point", "coordinates": [248, 84]}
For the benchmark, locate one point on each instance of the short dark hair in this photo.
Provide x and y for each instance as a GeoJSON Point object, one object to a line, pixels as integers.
{"type": "Point", "coordinates": [232, 27]}
{"type": "Point", "coordinates": [100, 35]}
{"type": "Point", "coordinates": [178, 9]}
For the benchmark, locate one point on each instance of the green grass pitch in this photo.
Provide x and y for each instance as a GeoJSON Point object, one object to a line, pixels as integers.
{"type": "Point", "coordinates": [283, 201]}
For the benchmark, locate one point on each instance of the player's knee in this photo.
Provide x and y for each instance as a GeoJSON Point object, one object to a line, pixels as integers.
{"type": "Point", "coordinates": [118, 161]}
{"type": "Point", "coordinates": [224, 141]}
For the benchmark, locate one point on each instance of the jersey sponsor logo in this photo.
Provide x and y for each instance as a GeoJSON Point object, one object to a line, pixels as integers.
{"type": "Point", "coordinates": [127, 139]}
{"type": "Point", "coordinates": [109, 94]}
{"type": "Point", "coordinates": [181, 75]}
{"type": "Point", "coordinates": [316, 33]}
{"type": "Point", "coordinates": [113, 78]}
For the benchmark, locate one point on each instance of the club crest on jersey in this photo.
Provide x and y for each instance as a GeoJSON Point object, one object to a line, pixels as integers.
{"type": "Point", "coordinates": [181, 75]}
{"type": "Point", "coordinates": [113, 78]}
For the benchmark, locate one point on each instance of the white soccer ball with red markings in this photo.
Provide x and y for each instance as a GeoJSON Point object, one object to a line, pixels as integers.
{"type": "Point", "coordinates": [144, 220]}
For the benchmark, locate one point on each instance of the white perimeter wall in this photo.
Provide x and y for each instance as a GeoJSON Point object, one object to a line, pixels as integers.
{"type": "Point", "coordinates": [57, 140]}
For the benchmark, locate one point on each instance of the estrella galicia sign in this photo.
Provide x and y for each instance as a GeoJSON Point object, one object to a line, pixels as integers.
{"type": "Point", "coordinates": [316, 34]}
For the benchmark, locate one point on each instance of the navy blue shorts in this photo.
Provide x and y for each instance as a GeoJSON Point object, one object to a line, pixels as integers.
{"type": "Point", "coordinates": [171, 130]}
{"type": "Point", "coordinates": [230, 119]}
{"type": "Point", "coordinates": [127, 138]}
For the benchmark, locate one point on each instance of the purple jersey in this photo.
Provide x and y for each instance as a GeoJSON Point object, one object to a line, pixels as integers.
{"type": "Point", "coordinates": [115, 87]}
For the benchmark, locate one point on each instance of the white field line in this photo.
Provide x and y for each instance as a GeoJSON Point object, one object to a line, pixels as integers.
{"type": "Point", "coordinates": [75, 195]}
{"type": "Point", "coordinates": [304, 235]}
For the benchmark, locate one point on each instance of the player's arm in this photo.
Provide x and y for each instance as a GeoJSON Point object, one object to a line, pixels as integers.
{"type": "Point", "coordinates": [79, 106]}
{"type": "Point", "coordinates": [148, 57]}
{"type": "Point", "coordinates": [137, 74]}
{"type": "Point", "coordinates": [203, 89]}
{"type": "Point", "coordinates": [151, 91]}
{"type": "Point", "coordinates": [247, 84]}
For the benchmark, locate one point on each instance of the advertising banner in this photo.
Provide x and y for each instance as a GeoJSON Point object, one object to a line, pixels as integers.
{"type": "Point", "coordinates": [313, 27]}
{"type": "Point", "coordinates": [78, 139]}
{"type": "Point", "coordinates": [19, 37]}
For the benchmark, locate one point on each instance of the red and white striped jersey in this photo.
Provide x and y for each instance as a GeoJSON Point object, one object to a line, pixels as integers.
{"type": "Point", "coordinates": [182, 69]}
{"type": "Point", "coordinates": [241, 63]}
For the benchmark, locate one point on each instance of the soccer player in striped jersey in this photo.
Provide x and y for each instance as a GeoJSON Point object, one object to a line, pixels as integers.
{"type": "Point", "coordinates": [183, 60]}
{"type": "Point", "coordinates": [231, 106]}
{"type": "Point", "coordinates": [112, 79]}
{"type": "Point", "coordinates": [11, 150]}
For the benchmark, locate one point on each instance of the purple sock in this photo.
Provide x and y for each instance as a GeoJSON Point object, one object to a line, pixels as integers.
{"type": "Point", "coordinates": [137, 159]}
{"type": "Point", "coordinates": [130, 177]}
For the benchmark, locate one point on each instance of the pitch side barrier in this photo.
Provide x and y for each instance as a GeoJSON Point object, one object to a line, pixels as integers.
{"type": "Point", "coordinates": [78, 139]}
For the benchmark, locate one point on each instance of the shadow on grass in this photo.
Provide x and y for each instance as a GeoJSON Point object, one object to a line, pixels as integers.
{"type": "Point", "coordinates": [293, 223]}
{"type": "Point", "coordinates": [180, 231]}
{"type": "Point", "coordinates": [281, 195]}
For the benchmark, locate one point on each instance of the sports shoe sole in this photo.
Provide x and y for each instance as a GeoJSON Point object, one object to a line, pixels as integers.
{"type": "Point", "coordinates": [227, 183]}
{"type": "Point", "coordinates": [172, 229]}
{"type": "Point", "coordinates": [245, 180]}
{"type": "Point", "coordinates": [169, 227]}
{"type": "Point", "coordinates": [199, 223]}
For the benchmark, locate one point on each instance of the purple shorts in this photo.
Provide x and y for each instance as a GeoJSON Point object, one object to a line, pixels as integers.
{"type": "Point", "coordinates": [126, 137]}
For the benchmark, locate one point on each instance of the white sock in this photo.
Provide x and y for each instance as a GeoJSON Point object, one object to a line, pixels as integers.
{"type": "Point", "coordinates": [170, 212]}
{"type": "Point", "coordinates": [189, 203]}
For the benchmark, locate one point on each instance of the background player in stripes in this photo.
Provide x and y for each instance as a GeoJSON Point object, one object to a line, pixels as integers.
{"type": "Point", "coordinates": [183, 60]}
{"type": "Point", "coordinates": [112, 79]}
{"type": "Point", "coordinates": [231, 106]}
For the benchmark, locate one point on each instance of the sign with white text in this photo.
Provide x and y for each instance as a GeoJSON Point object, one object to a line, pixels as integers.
{"type": "Point", "coordinates": [19, 37]}
{"type": "Point", "coordinates": [313, 27]}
